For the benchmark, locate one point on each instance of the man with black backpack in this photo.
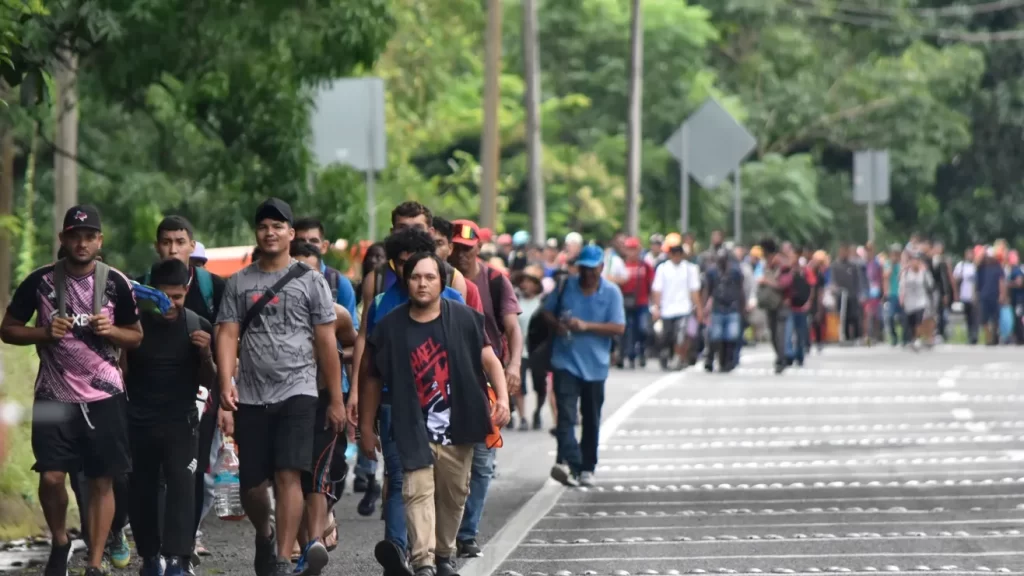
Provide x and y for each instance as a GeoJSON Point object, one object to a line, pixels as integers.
{"type": "Point", "coordinates": [276, 325]}
{"type": "Point", "coordinates": [163, 377]}
{"type": "Point", "coordinates": [501, 321]}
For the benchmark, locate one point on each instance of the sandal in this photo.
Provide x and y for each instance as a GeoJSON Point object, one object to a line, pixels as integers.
{"type": "Point", "coordinates": [330, 540]}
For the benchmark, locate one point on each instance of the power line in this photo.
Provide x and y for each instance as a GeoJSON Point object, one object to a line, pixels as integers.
{"type": "Point", "coordinates": [813, 9]}
{"type": "Point", "coordinates": [953, 10]}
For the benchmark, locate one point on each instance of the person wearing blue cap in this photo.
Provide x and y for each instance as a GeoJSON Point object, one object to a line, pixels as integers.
{"type": "Point", "coordinates": [587, 315]}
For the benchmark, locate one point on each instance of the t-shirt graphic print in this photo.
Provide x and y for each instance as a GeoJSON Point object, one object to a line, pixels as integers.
{"type": "Point", "coordinates": [276, 355]}
{"type": "Point", "coordinates": [429, 362]}
{"type": "Point", "coordinates": [82, 367]}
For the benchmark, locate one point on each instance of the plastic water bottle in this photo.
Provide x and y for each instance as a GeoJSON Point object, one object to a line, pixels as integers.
{"type": "Point", "coordinates": [227, 496]}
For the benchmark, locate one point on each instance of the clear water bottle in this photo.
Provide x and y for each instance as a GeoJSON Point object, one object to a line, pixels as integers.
{"type": "Point", "coordinates": [227, 495]}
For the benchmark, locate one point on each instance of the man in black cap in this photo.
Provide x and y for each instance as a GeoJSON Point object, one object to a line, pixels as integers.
{"type": "Point", "coordinates": [276, 324]}
{"type": "Point", "coordinates": [85, 316]}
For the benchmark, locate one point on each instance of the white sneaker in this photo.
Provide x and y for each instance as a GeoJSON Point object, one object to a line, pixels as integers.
{"type": "Point", "coordinates": [586, 479]}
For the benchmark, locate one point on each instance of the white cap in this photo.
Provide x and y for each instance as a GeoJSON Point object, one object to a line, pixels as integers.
{"type": "Point", "coordinates": [574, 238]}
{"type": "Point", "coordinates": [200, 252]}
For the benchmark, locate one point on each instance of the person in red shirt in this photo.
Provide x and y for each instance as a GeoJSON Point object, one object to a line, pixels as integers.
{"type": "Point", "coordinates": [636, 293]}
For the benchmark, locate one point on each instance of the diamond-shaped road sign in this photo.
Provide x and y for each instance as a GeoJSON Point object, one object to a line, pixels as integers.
{"type": "Point", "coordinates": [871, 176]}
{"type": "Point", "coordinates": [715, 144]}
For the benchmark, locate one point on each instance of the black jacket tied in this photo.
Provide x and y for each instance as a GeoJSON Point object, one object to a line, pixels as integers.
{"type": "Point", "coordinates": [464, 341]}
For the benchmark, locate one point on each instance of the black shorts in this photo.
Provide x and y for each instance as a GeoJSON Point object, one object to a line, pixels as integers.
{"type": "Point", "coordinates": [989, 312]}
{"type": "Point", "coordinates": [328, 467]}
{"type": "Point", "coordinates": [89, 437]}
{"type": "Point", "coordinates": [274, 437]}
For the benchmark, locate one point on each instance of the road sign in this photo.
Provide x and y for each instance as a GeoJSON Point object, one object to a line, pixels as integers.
{"type": "Point", "coordinates": [348, 128]}
{"type": "Point", "coordinates": [871, 176]}
{"type": "Point", "coordinates": [709, 146]}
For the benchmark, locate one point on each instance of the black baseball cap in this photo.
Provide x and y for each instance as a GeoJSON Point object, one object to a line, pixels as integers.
{"type": "Point", "coordinates": [274, 209]}
{"type": "Point", "coordinates": [82, 216]}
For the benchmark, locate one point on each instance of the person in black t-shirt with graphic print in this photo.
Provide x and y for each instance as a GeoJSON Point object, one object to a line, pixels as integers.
{"type": "Point", "coordinates": [162, 377]}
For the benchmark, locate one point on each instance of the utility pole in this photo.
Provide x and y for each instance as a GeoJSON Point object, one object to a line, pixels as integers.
{"type": "Point", "coordinates": [534, 149]}
{"type": "Point", "coordinates": [65, 159]}
{"type": "Point", "coordinates": [635, 136]}
{"type": "Point", "coordinates": [490, 145]}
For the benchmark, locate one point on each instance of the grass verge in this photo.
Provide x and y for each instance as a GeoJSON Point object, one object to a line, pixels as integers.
{"type": "Point", "coordinates": [20, 515]}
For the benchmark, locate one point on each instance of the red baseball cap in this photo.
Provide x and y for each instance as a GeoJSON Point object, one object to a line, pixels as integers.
{"type": "Point", "coordinates": [486, 234]}
{"type": "Point", "coordinates": [632, 242]}
{"type": "Point", "coordinates": [465, 232]}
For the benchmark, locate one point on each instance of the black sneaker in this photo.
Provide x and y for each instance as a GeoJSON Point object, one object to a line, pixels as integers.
{"type": "Point", "coordinates": [445, 566]}
{"type": "Point", "coordinates": [60, 556]}
{"type": "Point", "coordinates": [392, 559]}
{"type": "Point", "coordinates": [468, 548]}
{"type": "Point", "coordinates": [425, 571]}
{"type": "Point", "coordinates": [563, 474]}
{"type": "Point", "coordinates": [537, 424]}
{"type": "Point", "coordinates": [265, 560]}
{"type": "Point", "coordinates": [368, 503]}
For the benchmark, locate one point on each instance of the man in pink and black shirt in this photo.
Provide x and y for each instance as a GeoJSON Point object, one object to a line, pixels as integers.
{"type": "Point", "coordinates": [79, 419]}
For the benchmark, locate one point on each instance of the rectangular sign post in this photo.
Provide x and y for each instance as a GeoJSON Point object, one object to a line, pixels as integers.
{"type": "Point", "coordinates": [871, 183]}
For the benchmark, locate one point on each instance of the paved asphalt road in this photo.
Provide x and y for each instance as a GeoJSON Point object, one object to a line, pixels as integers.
{"type": "Point", "coordinates": [868, 460]}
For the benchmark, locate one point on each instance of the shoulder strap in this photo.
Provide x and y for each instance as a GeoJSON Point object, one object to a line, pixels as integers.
{"type": "Point", "coordinates": [59, 285]}
{"type": "Point", "coordinates": [332, 276]}
{"type": "Point", "coordinates": [379, 273]}
{"type": "Point", "coordinates": [297, 270]}
{"type": "Point", "coordinates": [192, 323]}
{"type": "Point", "coordinates": [205, 281]}
{"type": "Point", "coordinates": [99, 285]}
{"type": "Point", "coordinates": [449, 273]}
{"type": "Point", "coordinates": [148, 277]}
{"type": "Point", "coordinates": [497, 288]}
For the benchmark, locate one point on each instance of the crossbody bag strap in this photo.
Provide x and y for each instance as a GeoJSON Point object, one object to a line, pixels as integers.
{"type": "Point", "coordinates": [297, 270]}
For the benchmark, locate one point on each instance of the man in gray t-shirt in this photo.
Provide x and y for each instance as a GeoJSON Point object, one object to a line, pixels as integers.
{"type": "Point", "coordinates": [276, 359]}
{"type": "Point", "coordinates": [273, 410]}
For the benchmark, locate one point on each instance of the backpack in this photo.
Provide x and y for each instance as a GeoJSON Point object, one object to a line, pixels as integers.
{"type": "Point", "coordinates": [333, 277]}
{"type": "Point", "coordinates": [801, 288]}
{"type": "Point", "coordinates": [99, 287]}
{"type": "Point", "coordinates": [540, 336]}
{"type": "Point", "coordinates": [380, 273]}
{"type": "Point", "coordinates": [205, 281]}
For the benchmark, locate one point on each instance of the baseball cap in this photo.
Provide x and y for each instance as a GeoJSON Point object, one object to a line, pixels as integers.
{"type": "Point", "coordinates": [521, 238]}
{"type": "Point", "coordinates": [82, 216]}
{"type": "Point", "coordinates": [673, 240]}
{"type": "Point", "coordinates": [274, 209]}
{"type": "Point", "coordinates": [631, 242]}
{"type": "Point", "coordinates": [574, 238]}
{"type": "Point", "coordinates": [465, 232]}
{"type": "Point", "coordinates": [590, 257]}
{"type": "Point", "coordinates": [552, 243]}
{"type": "Point", "coordinates": [504, 239]}
{"type": "Point", "coordinates": [199, 253]}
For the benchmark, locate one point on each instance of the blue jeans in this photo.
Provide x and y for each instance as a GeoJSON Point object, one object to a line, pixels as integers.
{"type": "Point", "coordinates": [797, 336]}
{"type": "Point", "coordinates": [574, 395]}
{"type": "Point", "coordinates": [394, 507]}
{"type": "Point", "coordinates": [634, 340]}
{"type": "Point", "coordinates": [365, 468]}
{"type": "Point", "coordinates": [725, 326]}
{"type": "Point", "coordinates": [479, 482]}
{"type": "Point", "coordinates": [894, 318]}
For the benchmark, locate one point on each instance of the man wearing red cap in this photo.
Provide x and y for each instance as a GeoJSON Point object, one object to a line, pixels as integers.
{"type": "Point", "coordinates": [501, 321]}
{"type": "Point", "coordinates": [636, 292]}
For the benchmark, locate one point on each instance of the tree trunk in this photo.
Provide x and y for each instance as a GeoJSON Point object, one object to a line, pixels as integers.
{"type": "Point", "coordinates": [635, 136]}
{"type": "Point", "coordinates": [534, 149]}
{"type": "Point", "coordinates": [26, 255]}
{"type": "Point", "coordinates": [7, 151]}
{"type": "Point", "coordinates": [490, 146]}
{"type": "Point", "coordinates": [65, 163]}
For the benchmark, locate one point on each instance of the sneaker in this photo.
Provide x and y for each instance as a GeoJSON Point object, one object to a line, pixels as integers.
{"type": "Point", "coordinates": [392, 559]}
{"type": "Point", "coordinates": [57, 565]}
{"type": "Point", "coordinates": [265, 559]}
{"type": "Point", "coordinates": [313, 560]}
{"type": "Point", "coordinates": [359, 484]}
{"type": "Point", "coordinates": [563, 474]}
{"type": "Point", "coordinates": [152, 566]}
{"type": "Point", "coordinates": [586, 479]}
{"type": "Point", "coordinates": [368, 503]}
{"type": "Point", "coordinates": [425, 571]}
{"type": "Point", "coordinates": [120, 551]}
{"type": "Point", "coordinates": [537, 424]}
{"type": "Point", "coordinates": [524, 425]}
{"type": "Point", "coordinates": [175, 567]}
{"type": "Point", "coordinates": [445, 566]}
{"type": "Point", "coordinates": [468, 548]}
{"type": "Point", "coordinates": [282, 567]}
{"type": "Point", "coordinates": [95, 572]}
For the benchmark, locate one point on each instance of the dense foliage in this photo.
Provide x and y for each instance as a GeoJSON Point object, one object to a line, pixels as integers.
{"type": "Point", "coordinates": [201, 108]}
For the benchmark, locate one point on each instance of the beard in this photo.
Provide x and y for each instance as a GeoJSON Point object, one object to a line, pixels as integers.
{"type": "Point", "coordinates": [70, 257]}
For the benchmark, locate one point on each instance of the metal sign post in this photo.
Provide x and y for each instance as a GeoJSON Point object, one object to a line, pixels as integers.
{"type": "Point", "coordinates": [871, 183]}
{"type": "Point", "coordinates": [349, 128]}
{"type": "Point", "coordinates": [724, 143]}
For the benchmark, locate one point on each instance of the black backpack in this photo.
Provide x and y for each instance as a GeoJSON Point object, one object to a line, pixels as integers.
{"type": "Point", "coordinates": [801, 288]}
{"type": "Point", "coordinates": [540, 336]}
